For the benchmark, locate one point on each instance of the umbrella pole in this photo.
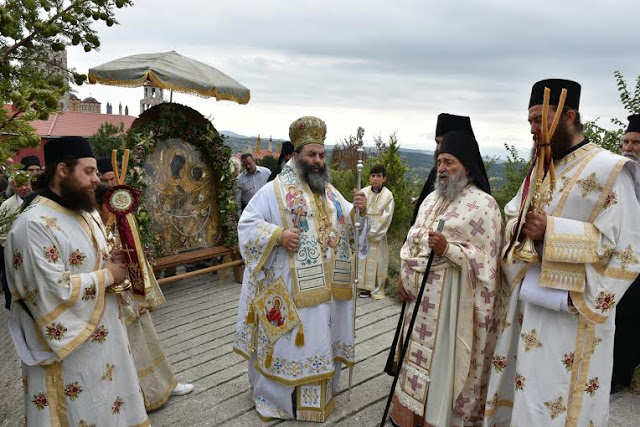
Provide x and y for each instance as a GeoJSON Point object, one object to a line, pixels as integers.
{"type": "Point", "coordinates": [171, 96]}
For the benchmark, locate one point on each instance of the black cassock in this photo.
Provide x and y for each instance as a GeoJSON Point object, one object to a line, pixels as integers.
{"type": "Point", "coordinates": [626, 347]}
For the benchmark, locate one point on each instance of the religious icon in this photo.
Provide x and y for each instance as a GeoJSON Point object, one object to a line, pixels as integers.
{"type": "Point", "coordinates": [274, 316]}
{"type": "Point", "coordinates": [292, 195]}
{"type": "Point", "coordinates": [300, 210]}
{"type": "Point", "coordinates": [180, 197]}
{"type": "Point", "coordinates": [333, 238]}
{"type": "Point", "coordinates": [340, 215]}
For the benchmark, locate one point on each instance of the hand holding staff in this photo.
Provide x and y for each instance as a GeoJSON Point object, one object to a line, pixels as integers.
{"type": "Point", "coordinates": [407, 338]}
{"type": "Point", "coordinates": [360, 206]}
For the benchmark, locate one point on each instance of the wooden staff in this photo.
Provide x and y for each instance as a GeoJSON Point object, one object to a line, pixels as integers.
{"type": "Point", "coordinates": [407, 338]}
{"type": "Point", "coordinates": [542, 164]}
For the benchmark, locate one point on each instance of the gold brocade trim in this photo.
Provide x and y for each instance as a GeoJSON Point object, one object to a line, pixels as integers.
{"type": "Point", "coordinates": [161, 402]}
{"type": "Point", "coordinates": [342, 293]}
{"type": "Point", "coordinates": [567, 190]}
{"type": "Point", "coordinates": [91, 324]}
{"type": "Point", "coordinates": [298, 381]}
{"type": "Point", "coordinates": [578, 353]}
{"type": "Point", "coordinates": [153, 297]}
{"type": "Point", "coordinates": [615, 273]}
{"type": "Point", "coordinates": [76, 284]}
{"type": "Point", "coordinates": [607, 189]}
{"type": "Point", "coordinates": [563, 276]}
{"type": "Point", "coordinates": [576, 392]}
{"type": "Point", "coordinates": [79, 218]}
{"type": "Point", "coordinates": [582, 306]}
{"type": "Point", "coordinates": [145, 423]}
{"type": "Point", "coordinates": [55, 395]}
{"type": "Point", "coordinates": [571, 248]}
{"type": "Point", "coordinates": [154, 364]}
{"type": "Point", "coordinates": [105, 278]}
{"type": "Point", "coordinates": [273, 240]}
{"type": "Point", "coordinates": [344, 361]}
{"type": "Point", "coordinates": [265, 419]}
{"type": "Point", "coordinates": [519, 277]}
{"type": "Point", "coordinates": [490, 411]}
{"type": "Point", "coordinates": [316, 415]}
{"type": "Point", "coordinates": [239, 352]}
{"type": "Point", "coordinates": [157, 82]}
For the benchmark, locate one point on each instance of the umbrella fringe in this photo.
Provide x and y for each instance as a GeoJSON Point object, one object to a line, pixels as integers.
{"type": "Point", "coordinates": [150, 77]}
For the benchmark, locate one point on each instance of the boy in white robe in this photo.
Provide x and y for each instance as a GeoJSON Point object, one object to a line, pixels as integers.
{"type": "Point", "coordinates": [380, 204]}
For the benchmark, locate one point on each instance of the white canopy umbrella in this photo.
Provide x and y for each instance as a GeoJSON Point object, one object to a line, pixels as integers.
{"type": "Point", "coordinates": [170, 70]}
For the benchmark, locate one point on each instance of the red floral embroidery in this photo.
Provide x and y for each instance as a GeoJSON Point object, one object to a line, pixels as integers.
{"type": "Point", "coordinates": [520, 382]}
{"type": "Point", "coordinates": [499, 363]}
{"type": "Point", "coordinates": [115, 409]}
{"type": "Point", "coordinates": [51, 253]}
{"type": "Point", "coordinates": [76, 258]}
{"type": "Point", "coordinates": [100, 335]}
{"type": "Point", "coordinates": [592, 386]}
{"type": "Point", "coordinates": [89, 293]}
{"type": "Point", "coordinates": [56, 331]}
{"type": "Point", "coordinates": [40, 401]}
{"type": "Point", "coordinates": [567, 361]}
{"type": "Point", "coordinates": [612, 199]}
{"type": "Point", "coordinates": [17, 259]}
{"type": "Point", "coordinates": [605, 301]}
{"type": "Point", "coordinates": [72, 390]}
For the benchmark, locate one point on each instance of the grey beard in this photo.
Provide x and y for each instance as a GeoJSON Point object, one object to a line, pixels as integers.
{"type": "Point", "coordinates": [633, 156]}
{"type": "Point", "coordinates": [317, 181]}
{"type": "Point", "coordinates": [453, 187]}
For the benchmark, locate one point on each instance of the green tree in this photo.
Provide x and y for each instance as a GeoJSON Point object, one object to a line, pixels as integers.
{"type": "Point", "coordinates": [268, 162]}
{"type": "Point", "coordinates": [610, 138]}
{"type": "Point", "coordinates": [344, 159]}
{"type": "Point", "coordinates": [109, 137]}
{"type": "Point", "coordinates": [396, 171]}
{"type": "Point", "coordinates": [515, 170]}
{"type": "Point", "coordinates": [30, 78]}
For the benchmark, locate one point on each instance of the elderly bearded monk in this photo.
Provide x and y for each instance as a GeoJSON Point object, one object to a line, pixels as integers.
{"type": "Point", "coordinates": [552, 363]}
{"type": "Point", "coordinates": [626, 352]}
{"type": "Point", "coordinates": [66, 329]}
{"type": "Point", "coordinates": [296, 238]}
{"type": "Point", "coordinates": [443, 378]}
{"type": "Point", "coordinates": [446, 123]}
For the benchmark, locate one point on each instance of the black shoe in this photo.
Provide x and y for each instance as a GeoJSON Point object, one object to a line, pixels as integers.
{"type": "Point", "coordinates": [616, 388]}
{"type": "Point", "coordinates": [364, 294]}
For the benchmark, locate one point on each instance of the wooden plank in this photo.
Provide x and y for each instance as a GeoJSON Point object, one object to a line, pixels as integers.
{"type": "Point", "coordinates": [190, 274]}
{"type": "Point", "coordinates": [189, 257]}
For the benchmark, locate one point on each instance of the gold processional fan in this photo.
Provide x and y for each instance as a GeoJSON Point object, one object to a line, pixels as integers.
{"type": "Point", "coordinates": [542, 165]}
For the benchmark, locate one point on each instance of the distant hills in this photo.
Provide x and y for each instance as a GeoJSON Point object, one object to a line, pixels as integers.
{"type": "Point", "coordinates": [419, 162]}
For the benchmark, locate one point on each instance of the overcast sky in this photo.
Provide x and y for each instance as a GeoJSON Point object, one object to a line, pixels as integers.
{"type": "Point", "coordinates": [383, 65]}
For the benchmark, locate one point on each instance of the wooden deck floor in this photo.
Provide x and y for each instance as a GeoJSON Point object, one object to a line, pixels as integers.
{"type": "Point", "coordinates": [196, 327]}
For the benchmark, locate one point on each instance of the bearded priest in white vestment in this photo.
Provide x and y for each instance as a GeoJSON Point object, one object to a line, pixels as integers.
{"type": "Point", "coordinates": [380, 205]}
{"type": "Point", "coordinates": [77, 369]}
{"type": "Point", "coordinates": [553, 360]}
{"type": "Point", "coordinates": [295, 314]}
{"type": "Point", "coordinates": [443, 377]}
